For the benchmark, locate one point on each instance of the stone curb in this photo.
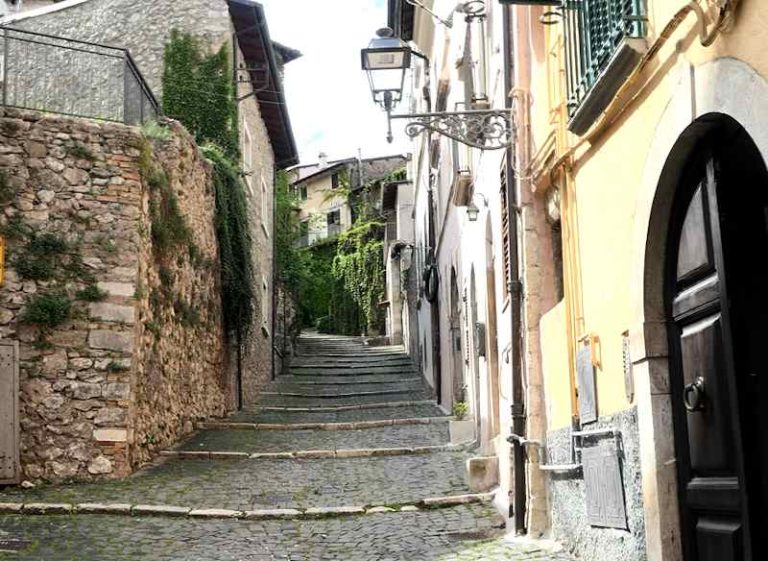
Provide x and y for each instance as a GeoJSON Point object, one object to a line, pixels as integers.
{"type": "Point", "coordinates": [314, 454]}
{"type": "Point", "coordinates": [223, 425]}
{"type": "Point", "coordinates": [382, 405]}
{"type": "Point", "coordinates": [120, 509]}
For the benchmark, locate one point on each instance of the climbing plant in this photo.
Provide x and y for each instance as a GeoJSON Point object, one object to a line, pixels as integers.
{"type": "Point", "coordinates": [234, 243]}
{"type": "Point", "coordinates": [359, 264]}
{"type": "Point", "coordinates": [198, 91]}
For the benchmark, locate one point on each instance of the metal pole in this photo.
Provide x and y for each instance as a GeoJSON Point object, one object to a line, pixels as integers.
{"type": "Point", "coordinates": [5, 67]}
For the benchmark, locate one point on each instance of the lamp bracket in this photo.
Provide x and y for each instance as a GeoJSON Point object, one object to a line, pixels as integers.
{"type": "Point", "coordinates": [486, 129]}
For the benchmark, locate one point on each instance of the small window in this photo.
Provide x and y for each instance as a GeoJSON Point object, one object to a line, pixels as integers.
{"type": "Point", "coordinates": [303, 192]}
{"type": "Point", "coordinates": [248, 157]}
{"type": "Point", "coordinates": [265, 304]}
{"type": "Point", "coordinates": [265, 207]}
{"type": "Point", "coordinates": [334, 218]}
{"type": "Point", "coordinates": [335, 181]}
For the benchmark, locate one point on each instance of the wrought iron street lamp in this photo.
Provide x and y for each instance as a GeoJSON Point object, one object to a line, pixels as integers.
{"type": "Point", "coordinates": [386, 61]}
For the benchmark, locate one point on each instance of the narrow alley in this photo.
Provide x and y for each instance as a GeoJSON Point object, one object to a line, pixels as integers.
{"type": "Point", "coordinates": [347, 457]}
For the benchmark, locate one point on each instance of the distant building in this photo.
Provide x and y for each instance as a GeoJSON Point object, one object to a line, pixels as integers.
{"type": "Point", "coordinates": [331, 194]}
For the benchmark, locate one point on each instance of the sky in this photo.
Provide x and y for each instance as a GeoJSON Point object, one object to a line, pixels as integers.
{"type": "Point", "coordinates": [328, 97]}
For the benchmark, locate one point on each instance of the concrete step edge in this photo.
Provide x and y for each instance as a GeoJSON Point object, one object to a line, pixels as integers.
{"type": "Point", "coordinates": [358, 425]}
{"type": "Point", "coordinates": [334, 408]}
{"type": "Point", "coordinates": [339, 395]}
{"type": "Point", "coordinates": [324, 454]}
{"type": "Point", "coordinates": [122, 509]}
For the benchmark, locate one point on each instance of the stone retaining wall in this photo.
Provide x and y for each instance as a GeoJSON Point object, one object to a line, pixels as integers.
{"type": "Point", "coordinates": [141, 357]}
{"type": "Point", "coordinates": [568, 497]}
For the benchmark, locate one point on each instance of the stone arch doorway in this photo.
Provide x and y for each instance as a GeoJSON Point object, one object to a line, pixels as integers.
{"type": "Point", "coordinates": [712, 255]}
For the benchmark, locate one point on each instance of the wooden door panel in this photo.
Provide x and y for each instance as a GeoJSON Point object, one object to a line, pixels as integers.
{"type": "Point", "coordinates": [695, 253]}
{"type": "Point", "coordinates": [719, 539]}
{"type": "Point", "coordinates": [9, 413]}
{"type": "Point", "coordinates": [710, 439]}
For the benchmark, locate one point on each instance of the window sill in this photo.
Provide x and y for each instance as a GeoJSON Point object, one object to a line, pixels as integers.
{"type": "Point", "coordinates": [623, 61]}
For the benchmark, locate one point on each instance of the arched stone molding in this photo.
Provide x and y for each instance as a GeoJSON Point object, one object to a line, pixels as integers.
{"type": "Point", "coordinates": [725, 86]}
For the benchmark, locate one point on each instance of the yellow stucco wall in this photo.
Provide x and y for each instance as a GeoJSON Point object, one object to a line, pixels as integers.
{"type": "Point", "coordinates": [607, 178]}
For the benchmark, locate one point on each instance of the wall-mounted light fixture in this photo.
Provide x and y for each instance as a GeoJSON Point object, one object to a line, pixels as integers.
{"type": "Point", "coordinates": [473, 212]}
{"type": "Point", "coordinates": [388, 58]}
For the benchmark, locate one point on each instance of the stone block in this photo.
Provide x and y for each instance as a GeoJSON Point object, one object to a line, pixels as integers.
{"type": "Point", "coordinates": [160, 510]}
{"type": "Point", "coordinates": [483, 473]}
{"type": "Point", "coordinates": [111, 340]}
{"type": "Point", "coordinates": [462, 431]}
{"type": "Point", "coordinates": [112, 312]}
{"type": "Point", "coordinates": [215, 513]}
{"type": "Point", "coordinates": [118, 288]}
{"type": "Point", "coordinates": [314, 454]}
{"type": "Point", "coordinates": [85, 391]}
{"type": "Point", "coordinates": [10, 508]}
{"type": "Point", "coordinates": [116, 391]}
{"type": "Point", "coordinates": [103, 508]}
{"type": "Point", "coordinates": [110, 435]}
{"type": "Point", "coordinates": [100, 466]}
{"type": "Point", "coordinates": [47, 508]}
{"type": "Point", "coordinates": [333, 511]}
{"type": "Point", "coordinates": [111, 416]}
{"type": "Point", "coordinates": [272, 513]}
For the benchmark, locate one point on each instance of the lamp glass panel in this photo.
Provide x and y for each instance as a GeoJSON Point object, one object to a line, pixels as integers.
{"type": "Point", "coordinates": [387, 80]}
{"type": "Point", "coordinates": [382, 60]}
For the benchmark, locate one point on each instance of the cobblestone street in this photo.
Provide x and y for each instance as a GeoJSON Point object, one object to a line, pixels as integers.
{"type": "Point", "coordinates": [353, 481]}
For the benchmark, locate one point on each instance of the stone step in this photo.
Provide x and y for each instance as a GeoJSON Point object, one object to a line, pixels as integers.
{"type": "Point", "coordinates": [349, 371]}
{"type": "Point", "coordinates": [280, 483]}
{"type": "Point", "coordinates": [251, 441]}
{"type": "Point", "coordinates": [267, 400]}
{"type": "Point", "coordinates": [330, 392]}
{"type": "Point", "coordinates": [424, 410]}
{"type": "Point", "coordinates": [346, 380]}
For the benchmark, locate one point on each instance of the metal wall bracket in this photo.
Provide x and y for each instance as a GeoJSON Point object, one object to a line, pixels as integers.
{"type": "Point", "coordinates": [489, 129]}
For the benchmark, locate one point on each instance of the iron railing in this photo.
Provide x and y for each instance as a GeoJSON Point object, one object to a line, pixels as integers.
{"type": "Point", "coordinates": [70, 77]}
{"type": "Point", "coordinates": [594, 29]}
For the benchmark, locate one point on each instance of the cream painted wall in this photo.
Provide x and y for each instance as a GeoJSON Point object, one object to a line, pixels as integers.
{"type": "Point", "coordinates": [607, 176]}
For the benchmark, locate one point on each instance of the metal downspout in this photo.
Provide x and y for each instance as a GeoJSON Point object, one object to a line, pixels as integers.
{"type": "Point", "coordinates": [518, 507]}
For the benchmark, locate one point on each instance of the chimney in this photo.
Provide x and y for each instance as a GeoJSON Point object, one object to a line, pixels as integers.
{"type": "Point", "coordinates": [323, 159]}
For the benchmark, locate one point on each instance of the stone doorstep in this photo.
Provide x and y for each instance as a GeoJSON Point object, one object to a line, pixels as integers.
{"type": "Point", "coordinates": [207, 425]}
{"type": "Point", "coordinates": [381, 405]}
{"type": "Point", "coordinates": [312, 454]}
{"type": "Point", "coordinates": [223, 513]}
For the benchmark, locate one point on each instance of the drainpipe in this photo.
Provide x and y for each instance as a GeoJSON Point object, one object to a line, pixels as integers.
{"type": "Point", "coordinates": [273, 278]}
{"type": "Point", "coordinates": [518, 506]}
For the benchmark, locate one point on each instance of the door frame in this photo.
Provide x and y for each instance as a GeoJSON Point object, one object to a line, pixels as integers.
{"type": "Point", "coordinates": [692, 108]}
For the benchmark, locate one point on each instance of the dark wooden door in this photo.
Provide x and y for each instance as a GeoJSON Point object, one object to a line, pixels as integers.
{"type": "Point", "coordinates": [710, 448]}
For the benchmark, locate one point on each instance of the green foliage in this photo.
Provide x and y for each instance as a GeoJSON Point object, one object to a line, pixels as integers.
{"type": "Point", "coordinates": [234, 238]}
{"type": "Point", "coordinates": [185, 313]}
{"type": "Point", "coordinates": [42, 256]}
{"type": "Point", "coordinates": [80, 151]}
{"type": "Point", "coordinates": [48, 309]}
{"type": "Point", "coordinates": [7, 191]}
{"type": "Point", "coordinates": [92, 293]}
{"type": "Point", "coordinates": [460, 410]}
{"type": "Point", "coordinates": [359, 265]}
{"type": "Point", "coordinates": [114, 366]}
{"type": "Point", "coordinates": [198, 91]}
{"type": "Point", "coordinates": [324, 324]}
{"type": "Point", "coordinates": [155, 130]}
{"type": "Point", "coordinates": [15, 229]}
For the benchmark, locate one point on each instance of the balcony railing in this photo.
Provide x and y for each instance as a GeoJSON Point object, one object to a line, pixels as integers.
{"type": "Point", "coordinates": [597, 36]}
{"type": "Point", "coordinates": [70, 77]}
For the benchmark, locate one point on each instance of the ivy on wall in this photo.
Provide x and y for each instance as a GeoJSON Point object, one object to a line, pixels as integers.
{"type": "Point", "coordinates": [359, 265]}
{"type": "Point", "coordinates": [198, 91]}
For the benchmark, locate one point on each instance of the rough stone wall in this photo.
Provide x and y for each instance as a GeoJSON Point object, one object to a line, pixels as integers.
{"type": "Point", "coordinates": [144, 27]}
{"type": "Point", "coordinates": [85, 404]}
{"type": "Point", "coordinates": [568, 497]}
{"type": "Point", "coordinates": [180, 371]}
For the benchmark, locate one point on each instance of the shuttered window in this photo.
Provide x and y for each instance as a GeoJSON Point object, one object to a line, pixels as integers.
{"type": "Point", "coordinates": [505, 227]}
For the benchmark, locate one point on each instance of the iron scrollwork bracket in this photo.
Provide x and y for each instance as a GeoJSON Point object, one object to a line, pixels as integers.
{"type": "Point", "coordinates": [484, 129]}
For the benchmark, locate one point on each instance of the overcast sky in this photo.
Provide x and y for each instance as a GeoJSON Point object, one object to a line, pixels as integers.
{"type": "Point", "coordinates": [328, 96]}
